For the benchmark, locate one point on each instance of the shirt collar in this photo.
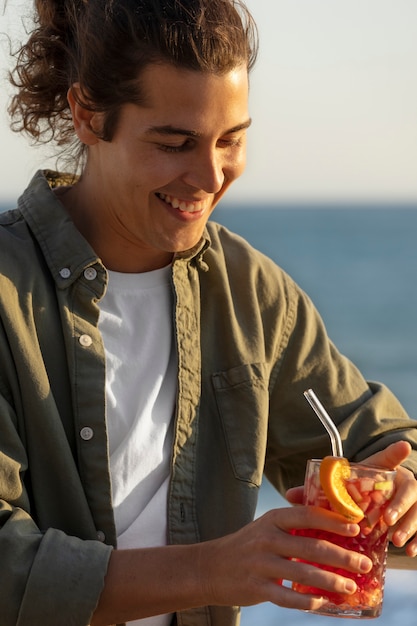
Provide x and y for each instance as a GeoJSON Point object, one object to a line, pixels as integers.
{"type": "Point", "coordinates": [66, 251]}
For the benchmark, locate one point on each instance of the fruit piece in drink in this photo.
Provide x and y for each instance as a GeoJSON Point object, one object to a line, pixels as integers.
{"type": "Point", "coordinates": [334, 474]}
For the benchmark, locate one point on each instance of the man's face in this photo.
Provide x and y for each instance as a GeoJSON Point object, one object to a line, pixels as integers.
{"type": "Point", "coordinates": [170, 161]}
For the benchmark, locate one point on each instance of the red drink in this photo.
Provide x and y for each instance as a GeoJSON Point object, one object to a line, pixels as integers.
{"type": "Point", "coordinates": [371, 488]}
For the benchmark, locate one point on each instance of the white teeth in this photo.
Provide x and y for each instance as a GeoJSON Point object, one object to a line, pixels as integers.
{"type": "Point", "coordinates": [186, 207]}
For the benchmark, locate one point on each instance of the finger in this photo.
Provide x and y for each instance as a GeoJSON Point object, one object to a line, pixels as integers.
{"type": "Point", "coordinates": [405, 531]}
{"type": "Point", "coordinates": [411, 547]}
{"type": "Point", "coordinates": [299, 517]}
{"type": "Point", "coordinates": [321, 580]}
{"type": "Point", "coordinates": [295, 495]}
{"type": "Point", "coordinates": [308, 549]}
{"type": "Point", "coordinates": [404, 498]}
{"type": "Point", "coordinates": [392, 456]}
{"type": "Point", "coordinates": [284, 596]}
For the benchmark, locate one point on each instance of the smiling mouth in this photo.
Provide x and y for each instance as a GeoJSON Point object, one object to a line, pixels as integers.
{"type": "Point", "coordinates": [182, 205]}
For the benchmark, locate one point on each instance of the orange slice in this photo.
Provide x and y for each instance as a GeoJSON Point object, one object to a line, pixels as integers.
{"type": "Point", "coordinates": [334, 471]}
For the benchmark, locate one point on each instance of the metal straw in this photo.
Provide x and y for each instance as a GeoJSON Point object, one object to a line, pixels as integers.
{"type": "Point", "coordinates": [330, 426]}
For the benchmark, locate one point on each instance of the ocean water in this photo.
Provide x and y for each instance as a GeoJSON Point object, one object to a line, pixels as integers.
{"type": "Point", "coordinates": [359, 265]}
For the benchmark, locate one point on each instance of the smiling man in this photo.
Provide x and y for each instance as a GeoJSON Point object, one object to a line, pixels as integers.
{"type": "Point", "coordinates": [152, 363]}
{"type": "Point", "coordinates": [149, 192]}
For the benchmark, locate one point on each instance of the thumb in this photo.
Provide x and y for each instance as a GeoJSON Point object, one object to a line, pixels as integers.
{"type": "Point", "coordinates": [295, 495]}
{"type": "Point", "coordinates": [392, 456]}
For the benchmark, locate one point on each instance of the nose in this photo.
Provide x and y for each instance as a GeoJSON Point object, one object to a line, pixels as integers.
{"type": "Point", "coordinates": [206, 171]}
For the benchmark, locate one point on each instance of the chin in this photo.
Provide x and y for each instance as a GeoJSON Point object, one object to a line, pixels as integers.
{"type": "Point", "coordinates": [184, 244]}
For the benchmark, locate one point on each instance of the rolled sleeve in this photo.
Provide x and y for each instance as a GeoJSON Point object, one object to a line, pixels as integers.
{"type": "Point", "coordinates": [65, 581]}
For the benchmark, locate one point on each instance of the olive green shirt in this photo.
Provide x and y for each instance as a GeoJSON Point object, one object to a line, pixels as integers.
{"type": "Point", "coordinates": [249, 343]}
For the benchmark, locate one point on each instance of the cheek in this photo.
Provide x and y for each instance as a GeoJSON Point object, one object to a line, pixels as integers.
{"type": "Point", "coordinates": [158, 170]}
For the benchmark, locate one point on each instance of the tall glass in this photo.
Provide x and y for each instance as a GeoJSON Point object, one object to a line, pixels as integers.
{"type": "Point", "coordinates": [371, 488]}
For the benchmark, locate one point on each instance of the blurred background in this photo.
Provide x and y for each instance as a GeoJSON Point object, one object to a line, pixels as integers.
{"type": "Point", "coordinates": [330, 191]}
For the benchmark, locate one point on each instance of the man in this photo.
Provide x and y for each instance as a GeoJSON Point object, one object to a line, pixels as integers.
{"type": "Point", "coordinates": [152, 363]}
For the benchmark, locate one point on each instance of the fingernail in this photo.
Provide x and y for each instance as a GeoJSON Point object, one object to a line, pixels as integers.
{"type": "Point", "coordinates": [400, 537]}
{"type": "Point", "coordinates": [350, 586]}
{"type": "Point", "coordinates": [353, 529]}
{"type": "Point", "coordinates": [393, 515]}
{"type": "Point", "coordinates": [365, 565]}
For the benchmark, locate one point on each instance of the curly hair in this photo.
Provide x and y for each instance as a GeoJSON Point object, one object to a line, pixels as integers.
{"type": "Point", "coordinates": [104, 45]}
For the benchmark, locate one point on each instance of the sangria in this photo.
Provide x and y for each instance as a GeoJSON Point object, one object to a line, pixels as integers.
{"type": "Point", "coordinates": [365, 490]}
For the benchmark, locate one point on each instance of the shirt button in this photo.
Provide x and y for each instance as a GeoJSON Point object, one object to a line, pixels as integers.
{"type": "Point", "coordinates": [65, 272]}
{"type": "Point", "coordinates": [101, 536]}
{"type": "Point", "coordinates": [90, 273]}
{"type": "Point", "coordinates": [85, 340]}
{"type": "Point", "coordinates": [86, 433]}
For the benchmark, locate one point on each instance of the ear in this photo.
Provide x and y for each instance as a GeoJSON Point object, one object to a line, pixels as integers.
{"type": "Point", "coordinates": [86, 123]}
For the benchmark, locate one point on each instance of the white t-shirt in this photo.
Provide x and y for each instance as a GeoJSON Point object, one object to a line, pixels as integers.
{"type": "Point", "coordinates": [141, 380]}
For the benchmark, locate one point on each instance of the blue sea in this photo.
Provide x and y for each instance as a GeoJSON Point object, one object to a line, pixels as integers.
{"type": "Point", "coordinates": [359, 265]}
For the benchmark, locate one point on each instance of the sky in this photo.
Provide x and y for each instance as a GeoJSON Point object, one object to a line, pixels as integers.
{"type": "Point", "coordinates": [333, 101]}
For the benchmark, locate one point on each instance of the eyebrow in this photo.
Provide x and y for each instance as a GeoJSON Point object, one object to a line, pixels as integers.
{"type": "Point", "coordinates": [185, 132]}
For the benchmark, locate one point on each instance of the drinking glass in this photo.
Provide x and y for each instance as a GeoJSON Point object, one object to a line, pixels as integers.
{"type": "Point", "coordinates": [371, 488]}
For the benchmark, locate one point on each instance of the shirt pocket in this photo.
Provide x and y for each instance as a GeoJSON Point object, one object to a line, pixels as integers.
{"type": "Point", "coordinates": [242, 400]}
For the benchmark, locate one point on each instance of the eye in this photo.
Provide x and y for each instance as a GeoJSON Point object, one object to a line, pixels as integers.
{"type": "Point", "coordinates": [232, 142]}
{"type": "Point", "coordinates": [174, 148]}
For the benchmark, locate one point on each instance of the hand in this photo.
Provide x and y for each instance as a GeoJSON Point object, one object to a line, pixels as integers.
{"type": "Point", "coordinates": [401, 514]}
{"type": "Point", "coordinates": [244, 568]}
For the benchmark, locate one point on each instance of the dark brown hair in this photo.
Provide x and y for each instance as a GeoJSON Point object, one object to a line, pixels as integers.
{"type": "Point", "coordinates": [105, 44]}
